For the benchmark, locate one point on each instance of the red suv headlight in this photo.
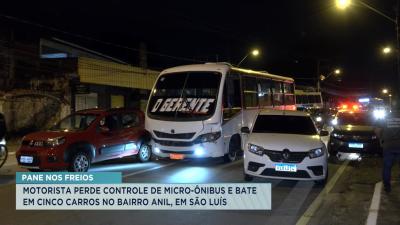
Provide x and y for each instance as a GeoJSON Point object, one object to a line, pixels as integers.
{"type": "Point", "coordinates": [54, 142]}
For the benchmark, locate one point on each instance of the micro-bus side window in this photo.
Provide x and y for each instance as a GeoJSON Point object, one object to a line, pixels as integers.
{"type": "Point", "coordinates": [264, 93]}
{"type": "Point", "coordinates": [277, 93]}
{"type": "Point", "coordinates": [250, 92]}
{"type": "Point", "coordinates": [298, 99]}
{"type": "Point", "coordinates": [311, 99]}
{"type": "Point", "coordinates": [231, 96]}
{"type": "Point", "coordinates": [304, 99]}
{"type": "Point", "coordinates": [288, 90]}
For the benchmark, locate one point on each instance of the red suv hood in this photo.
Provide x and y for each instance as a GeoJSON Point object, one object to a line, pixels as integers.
{"type": "Point", "coordinates": [44, 135]}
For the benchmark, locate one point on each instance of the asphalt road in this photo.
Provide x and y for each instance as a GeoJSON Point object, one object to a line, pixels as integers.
{"type": "Point", "coordinates": [290, 199]}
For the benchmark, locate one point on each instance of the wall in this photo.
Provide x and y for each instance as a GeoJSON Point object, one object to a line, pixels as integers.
{"type": "Point", "coordinates": [26, 113]}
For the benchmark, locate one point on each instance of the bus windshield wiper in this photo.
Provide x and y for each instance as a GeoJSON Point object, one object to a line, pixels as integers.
{"type": "Point", "coordinates": [183, 97]}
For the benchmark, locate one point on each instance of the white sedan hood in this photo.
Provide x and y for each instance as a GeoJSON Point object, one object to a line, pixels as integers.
{"type": "Point", "coordinates": [293, 142]}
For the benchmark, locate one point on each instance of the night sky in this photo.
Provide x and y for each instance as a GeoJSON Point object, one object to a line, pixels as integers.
{"type": "Point", "coordinates": [292, 35]}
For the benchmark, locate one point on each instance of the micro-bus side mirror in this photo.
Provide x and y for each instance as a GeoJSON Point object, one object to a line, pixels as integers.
{"type": "Point", "coordinates": [245, 130]}
{"type": "Point", "coordinates": [323, 133]}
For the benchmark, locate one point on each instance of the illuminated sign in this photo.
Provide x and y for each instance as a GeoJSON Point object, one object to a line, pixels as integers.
{"type": "Point", "coordinates": [363, 100]}
{"type": "Point", "coordinates": [184, 105]}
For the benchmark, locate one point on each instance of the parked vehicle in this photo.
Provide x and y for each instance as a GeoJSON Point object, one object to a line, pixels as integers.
{"type": "Point", "coordinates": [3, 147]}
{"type": "Point", "coordinates": [353, 136]}
{"type": "Point", "coordinates": [308, 99]}
{"type": "Point", "coordinates": [86, 137]}
{"type": "Point", "coordinates": [285, 145]}
{"type": "Point", "coordinates": [196, 111]}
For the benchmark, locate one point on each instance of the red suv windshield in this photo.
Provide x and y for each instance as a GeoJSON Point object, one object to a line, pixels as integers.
{"type": "Point", "coordinates": [75, 122]}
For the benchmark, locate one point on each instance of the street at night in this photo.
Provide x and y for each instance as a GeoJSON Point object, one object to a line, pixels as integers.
{"type": "Point", "coordinates": [203, 113]}
{"type": "Point", "coordinates": [345, 200]}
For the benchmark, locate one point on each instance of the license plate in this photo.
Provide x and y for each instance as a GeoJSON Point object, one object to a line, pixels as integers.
{"type": "Point", "coordinates": [286, 167]}
{"type": "Point", "coordinates": [26, 159]}
{"type": "Point", "coordinates": [356, 145]}
{"type": "Point", "coordinates": [176, 156]}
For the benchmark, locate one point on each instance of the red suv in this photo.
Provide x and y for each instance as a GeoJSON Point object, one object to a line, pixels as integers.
{"type": "Point", "coordinates": [86, 137]}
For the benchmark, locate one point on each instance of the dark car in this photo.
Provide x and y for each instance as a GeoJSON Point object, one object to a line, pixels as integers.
{"type": "Point", "coordinates": [86, 137]}
{"type": "Point", "coordinates": [354, 132]}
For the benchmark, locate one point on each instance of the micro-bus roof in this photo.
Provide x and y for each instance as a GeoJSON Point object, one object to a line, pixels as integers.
{"type": "Point", "coordinates": [263, 74]}
{"type": "Point", "coordinates": [217, 67]}
{"type": "Point", "coordinates": [223, 67]}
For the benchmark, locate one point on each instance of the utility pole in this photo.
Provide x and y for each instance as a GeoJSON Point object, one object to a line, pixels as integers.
{"type": "Point", "coordinates": [143, 55]}
{"type": "Point", "coordinates": [397, 22]}
{"type": "Point", "coordinates": [318, 74]}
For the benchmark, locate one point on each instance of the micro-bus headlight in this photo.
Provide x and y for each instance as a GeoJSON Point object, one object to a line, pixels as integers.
{"type": "Point", "coordinates": [54, 142]}
{"type": "Point", "coordinates": [255, 149]}
{"type": "Point", "coordinates": [209, 137]}
{"type": "Point", "coordinates": [315, 153]}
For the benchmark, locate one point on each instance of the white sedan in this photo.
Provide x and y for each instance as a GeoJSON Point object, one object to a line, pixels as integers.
{"type": "Point", "coordinates": [285, 145]}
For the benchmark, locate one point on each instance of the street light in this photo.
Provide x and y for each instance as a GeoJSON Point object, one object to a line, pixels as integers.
{"type": "Point", "coordinates": [385, 91]}
{"type": "Point", "coordinates": [336, 72]}
{"type": "Point", "coordinates": [386, 50]}
{"type": "Point", "coordinates": [254, 52]}
{"type": "Point", "coordinates": [343, 4]}
{"type": "Point", "coordinates": [323, 78]}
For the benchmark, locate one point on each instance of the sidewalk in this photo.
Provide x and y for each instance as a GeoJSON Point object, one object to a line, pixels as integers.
{"type": "Point", "coordinates": [13, 143]}
{"type": "Point", "coordinates": [389, 210]}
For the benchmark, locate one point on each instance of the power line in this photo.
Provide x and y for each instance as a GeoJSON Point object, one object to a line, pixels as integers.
{"type": "Point", "coordinates": [96, 40]}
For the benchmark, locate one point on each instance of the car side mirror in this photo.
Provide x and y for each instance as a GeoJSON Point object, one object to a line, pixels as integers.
{"type": "Point", "coordinates": [245, 130]}
{"type": "Point", "coordinates": [323, 133]}
{"type": "Point", "coordinates": [104, 130]}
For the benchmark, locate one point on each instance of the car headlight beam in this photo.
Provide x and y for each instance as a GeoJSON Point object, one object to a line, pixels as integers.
{"type": "Point", "coordinates": [315, 153]}
{"type": "Point", "coordinates": [379, 114]}
{"type": "Point", "coordinates": [337, 135]}
{"type": "Point", "coordinates": [255, 149]}
{"type": "Point", "coordinates": [54, 142]}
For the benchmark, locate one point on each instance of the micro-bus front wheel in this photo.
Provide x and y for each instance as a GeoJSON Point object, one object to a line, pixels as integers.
{"type": "Point", "coordinates": [80, 162]}
{"type": "Point", "coordinates": [233, 150]}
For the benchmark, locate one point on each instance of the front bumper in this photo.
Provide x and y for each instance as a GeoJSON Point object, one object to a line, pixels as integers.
{"type": "Point", "coordinates": [307, 169]}
{"type": "Point", "coordinates": [164, 149]}
{"type": "Point", "coordinates": [335, 145]}
{"type": "Point", "coordinates": [43, 158]}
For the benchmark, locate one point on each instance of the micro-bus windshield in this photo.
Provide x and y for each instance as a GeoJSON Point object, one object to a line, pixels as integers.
{"type": "Point", "coordinates": [184, 96]}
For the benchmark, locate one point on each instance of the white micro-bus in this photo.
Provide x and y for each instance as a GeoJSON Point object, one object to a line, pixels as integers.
{"type": "Point", "coordinates": [197, 111]}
